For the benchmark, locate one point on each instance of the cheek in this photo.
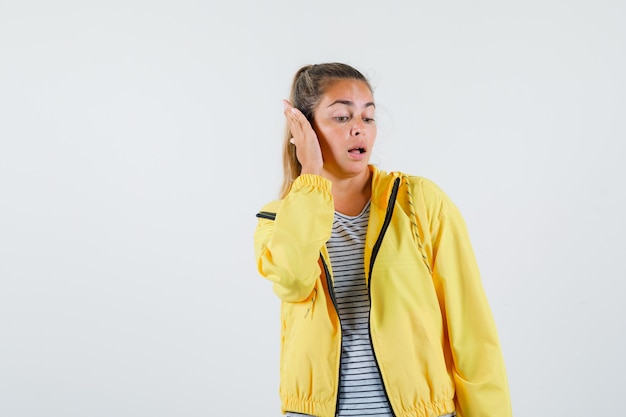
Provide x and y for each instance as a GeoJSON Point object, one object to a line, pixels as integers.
{"type": "Point", "coordinates": [372, 131]}
{"type": "Point", "coordinates": [323, 140]}
{"type": "Point", "coordinates": [329, 134]}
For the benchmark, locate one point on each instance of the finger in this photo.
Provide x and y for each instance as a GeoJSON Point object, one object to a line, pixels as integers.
{"type": "Point", "coordinates": [301, 119]}
{"type": "Point", "coordinates": [297, 122]}
{"type": "Point", "coordinates": [286, 106]}
{"type": "Point", "coordinates": [291, 113]}
{"type": "Point", "coordinates": [292, 122]}
{"type": "Point", "coordinates": [295, 126]}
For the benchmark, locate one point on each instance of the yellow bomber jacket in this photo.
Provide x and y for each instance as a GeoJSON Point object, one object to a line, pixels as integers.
{"type": "Point", "coordinates": [432, 332]}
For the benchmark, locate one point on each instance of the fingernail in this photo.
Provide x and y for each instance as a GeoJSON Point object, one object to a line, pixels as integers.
{"type": "Point", "coordinates": [285, 107]}
{"type": "Point", "coordinates": [294, 110]}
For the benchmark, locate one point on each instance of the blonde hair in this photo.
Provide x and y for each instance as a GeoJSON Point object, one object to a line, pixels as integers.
{"type": "Point", "coordinates": [309, 85]}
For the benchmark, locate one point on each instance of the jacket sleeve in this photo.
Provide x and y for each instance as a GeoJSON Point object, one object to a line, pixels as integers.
{"type": "Point", "coordinates": [478, 366]}
{"type": "Point", "coordinates": [287, 249]}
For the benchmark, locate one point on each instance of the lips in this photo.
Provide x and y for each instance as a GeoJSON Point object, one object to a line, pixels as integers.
{"type": "Point", "coordinates": [357, 150]}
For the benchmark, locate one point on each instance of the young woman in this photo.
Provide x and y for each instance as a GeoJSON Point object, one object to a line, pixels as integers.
{"type": "Point", "coordinates": [383, 311]}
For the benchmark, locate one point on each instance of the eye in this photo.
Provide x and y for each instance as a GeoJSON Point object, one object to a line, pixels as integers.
{"type": "Point", "coordinates": [341, 118]}
{"type": "Point", "coordinates": [368, 120]}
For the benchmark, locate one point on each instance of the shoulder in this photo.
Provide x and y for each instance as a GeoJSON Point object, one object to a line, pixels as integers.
{"type": "Point", "coordinates": [422, 183]}
{"type": "Point", "coordinates": [418, 184]}
{"type": "Point", "coordinates": [425, 195]}
{"type": "Point", "coordinates": [271, 207]}
{"type": "Point", "coordinates": [419, 187]}
{"type": "Point", "coordinates": [426, 188]}
{"type": "Point", "coordinates": [305, 184]}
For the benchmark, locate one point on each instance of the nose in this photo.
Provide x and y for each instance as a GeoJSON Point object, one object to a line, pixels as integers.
{"type": "Point", "coordinates": [357, 128]}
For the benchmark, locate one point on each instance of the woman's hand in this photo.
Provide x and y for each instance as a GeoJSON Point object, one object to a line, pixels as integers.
{"type": "Point", "coordinates": [305, 140]}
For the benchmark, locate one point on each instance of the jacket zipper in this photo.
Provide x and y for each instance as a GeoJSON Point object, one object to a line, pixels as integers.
{"type": "Point", "coordinates": [331, 290]}
{"type": "Point", "coordinates": [379, 241]}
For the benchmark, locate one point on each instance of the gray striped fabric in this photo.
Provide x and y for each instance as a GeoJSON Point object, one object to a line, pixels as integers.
{"type": "Point", "coordinates": [361, 391]}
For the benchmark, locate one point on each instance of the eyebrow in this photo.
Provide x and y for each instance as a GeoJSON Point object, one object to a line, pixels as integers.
{"type": "Point", "coordinates": [349, 103]}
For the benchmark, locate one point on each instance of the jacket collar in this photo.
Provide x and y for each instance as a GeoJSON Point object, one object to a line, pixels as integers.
{"type": "Point", "coordinates": [382, 185]}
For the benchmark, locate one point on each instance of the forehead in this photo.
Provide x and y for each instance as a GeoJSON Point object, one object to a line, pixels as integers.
{"type": "Point", "coordinates": [348, 89]}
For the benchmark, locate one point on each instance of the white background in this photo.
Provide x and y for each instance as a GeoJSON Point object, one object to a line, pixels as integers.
{"type": "Point", "coordinates": [139, 138]}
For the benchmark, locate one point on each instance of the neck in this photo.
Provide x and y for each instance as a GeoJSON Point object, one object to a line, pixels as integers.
{"type": "Point", "coordinates": [351, 194]}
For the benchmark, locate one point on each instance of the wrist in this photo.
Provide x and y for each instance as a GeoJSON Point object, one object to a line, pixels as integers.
{"type": "Point", "coordinates": [310, 170]}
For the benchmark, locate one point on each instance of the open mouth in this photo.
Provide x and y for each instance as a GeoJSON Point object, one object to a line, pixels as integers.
{"type": "Point", "coordinates": [357, 150]}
